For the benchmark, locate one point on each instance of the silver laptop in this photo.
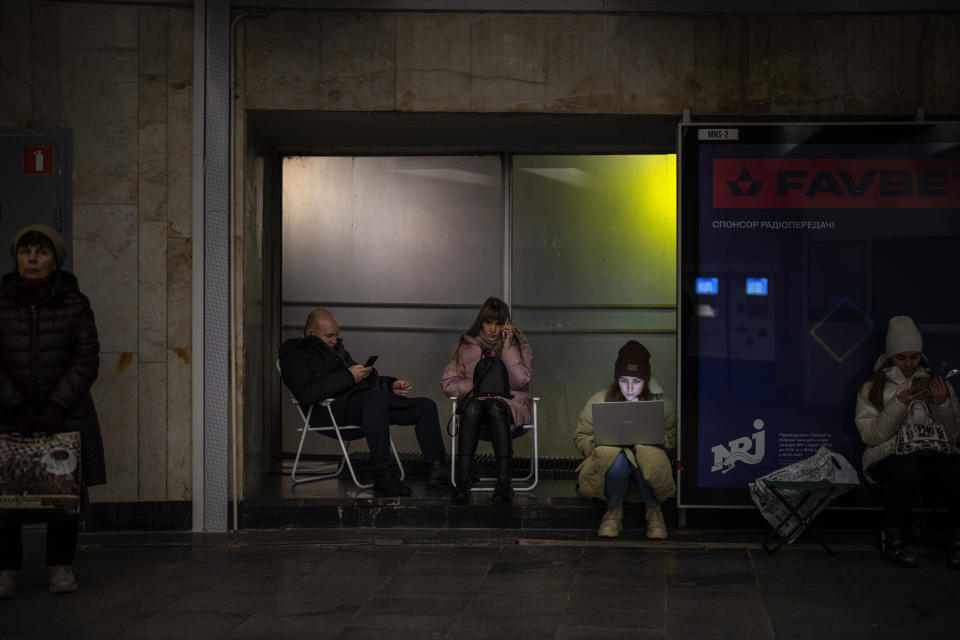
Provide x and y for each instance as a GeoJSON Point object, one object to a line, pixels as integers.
{"type": "Point", "coordinates": [628, 423]}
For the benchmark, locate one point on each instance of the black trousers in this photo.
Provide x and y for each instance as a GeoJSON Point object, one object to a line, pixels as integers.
{"type": "Point", "coordinates": [479, 413]}
{"type": "Point", "coordinates": [61, 544]}
{"type": "Point", "coordinates": [371, 410]}
{"type": "Point", "coordinates": [908, 478]}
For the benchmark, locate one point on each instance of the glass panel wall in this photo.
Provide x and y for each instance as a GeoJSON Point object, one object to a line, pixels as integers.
{"type": "Point", "coordinates": [401, 249]}
{"type": "Point", "coordinates": [593, 265]}
{"type": "Point", "coordinates": [404, 249]}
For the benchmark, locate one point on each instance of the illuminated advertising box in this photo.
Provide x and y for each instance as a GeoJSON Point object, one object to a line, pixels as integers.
{"type": "Point", "coordinates": [797, 244]}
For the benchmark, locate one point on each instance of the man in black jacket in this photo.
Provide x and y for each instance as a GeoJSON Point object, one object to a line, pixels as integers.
{"type": "Point", "coordinates": [317, 366]}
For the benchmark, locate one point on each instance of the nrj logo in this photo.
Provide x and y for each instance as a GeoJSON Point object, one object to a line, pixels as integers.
{"type": "Point", "coordinates": [724, 457]}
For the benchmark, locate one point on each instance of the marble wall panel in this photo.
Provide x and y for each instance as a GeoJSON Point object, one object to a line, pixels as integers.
{"type": "Point", "coordinates": [153, 291]}
{"type": "Point", "coordinates": [282, 61]}
{"type": "Point", "coordinates": [882, 56]}
{"type": "Point", "coordinates": [179, 293]}
{"type": "Point", "coordinates": [152, 431]}
{"type": "Point", "coordinates": [180, 45]}
{"type": "Point", "coordinates": [433, 61]}
{"type": "Point", "coordinates": [45, 34]}
{"type": "Point", "coordinates": [152, 148]}
{"type": "Point", "coordinates": [15, 69]}
{"type": "Point", "coordinates": [100, 102]}
{"type": "Point", "coordinates": [941, 72]}
{"type": "Point", "coordinates": [153, 321]}
{"type": "Point", "coordinates": [807, 65]}
{"type": "Point", "coordinates": [98, 26]}
{"type": "Point", "coordinates": [180, 123]}
{"type": "Point", "coordinates": [106, 264]}
{"type": "Point", "coordinates": [509, 64]}
{"type": "Point", "coordinates": [732, 65]}
{"type": "Point", "coordinates": [179, 425]}
{"type": "Point", "coordinates": [656, 62]}
{"type": "Point", "coordinates": [582, 70]}
{"type": "Point", "coordinates": [180, 161]}
{"type": "Point", "coordinates": [152, 142]}
{"type": "Point", "coordinates": [358, 61]}
{"type": "Point", "coordinates": [115, 394]}
{"type": "Point", "coordinates": [152, 24]}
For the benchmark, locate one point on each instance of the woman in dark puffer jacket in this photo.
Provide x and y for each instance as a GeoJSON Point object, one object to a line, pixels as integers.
{"type": "Point", "coordinates": [49, 359]}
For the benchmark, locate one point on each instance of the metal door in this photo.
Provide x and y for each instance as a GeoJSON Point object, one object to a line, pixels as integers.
{"type": "Point", "coordinates": [35, 182]}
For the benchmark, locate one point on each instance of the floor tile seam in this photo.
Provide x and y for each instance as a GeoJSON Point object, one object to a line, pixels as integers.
{"type": "Point", "coordinates": [677, 545]}
{"type": "Point", "coordinates": [524, 540]}
{"type": "Point", "coordinates": [771, 628]}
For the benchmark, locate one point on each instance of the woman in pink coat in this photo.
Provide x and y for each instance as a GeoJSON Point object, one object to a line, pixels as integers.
{"type": "Point", "coordinates": [490, 335]}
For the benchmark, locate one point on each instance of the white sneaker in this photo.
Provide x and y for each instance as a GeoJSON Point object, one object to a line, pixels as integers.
{"type": "Point", "coordinates": [62, 579]}
{"type": "Point", "coordinates": [9, 583]}
{"type": "Point", "coordinates": [656, 528]}
{"type": "Point", "coordinates": [612, 523]}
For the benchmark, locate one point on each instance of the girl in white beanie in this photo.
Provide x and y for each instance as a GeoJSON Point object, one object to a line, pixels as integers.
{"type": "Point", "coordinates": [910, 421]}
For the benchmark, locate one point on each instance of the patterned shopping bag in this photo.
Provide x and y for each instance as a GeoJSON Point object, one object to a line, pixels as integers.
{"type": "Point", "coordinates": [39, 472]}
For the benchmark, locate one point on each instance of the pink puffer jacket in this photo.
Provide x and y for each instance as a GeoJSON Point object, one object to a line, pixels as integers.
{"type": "Point", "coordinates": [457, 381]}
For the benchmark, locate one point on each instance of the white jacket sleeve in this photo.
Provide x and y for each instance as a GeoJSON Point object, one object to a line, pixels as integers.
{"type": "Point", "coordinates": [876, 427]}
{"type": "Point", "coordinates": [948, 413]}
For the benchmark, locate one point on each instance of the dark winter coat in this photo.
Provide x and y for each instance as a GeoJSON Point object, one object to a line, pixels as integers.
{"type": "Point", "coordinates": [313, 372]}
{"type": "Point", "coordinates": [50, 352]}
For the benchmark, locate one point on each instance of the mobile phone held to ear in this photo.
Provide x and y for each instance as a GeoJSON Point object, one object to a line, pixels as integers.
{"type": "Point", "coordinates": [370, 361]}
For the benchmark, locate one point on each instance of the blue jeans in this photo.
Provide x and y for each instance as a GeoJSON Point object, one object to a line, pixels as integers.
{"type": "Point", "coordinates": [618, 479]}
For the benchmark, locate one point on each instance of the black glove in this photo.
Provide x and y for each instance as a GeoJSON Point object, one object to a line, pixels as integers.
{"type": "Point", "coordinates": [24, 418]}
{"type": "Point", "coordinates": [50, 418]}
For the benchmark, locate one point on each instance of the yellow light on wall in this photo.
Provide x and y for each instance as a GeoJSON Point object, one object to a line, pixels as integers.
{"type": "Point", "coordinates": [596, 229]}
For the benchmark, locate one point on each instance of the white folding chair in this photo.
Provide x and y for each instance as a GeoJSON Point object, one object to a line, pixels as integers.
{"type": "Point", "coordinates": [531, 478]}
{"type": "Point", "coordinates": [352, 432]}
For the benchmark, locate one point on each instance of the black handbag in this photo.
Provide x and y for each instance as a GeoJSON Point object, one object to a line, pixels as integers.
{"type": "Point", "coordinates": [490, 378]}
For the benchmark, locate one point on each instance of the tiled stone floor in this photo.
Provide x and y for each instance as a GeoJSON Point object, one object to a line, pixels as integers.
{"type": "Point", "coordinates": [472, 583]}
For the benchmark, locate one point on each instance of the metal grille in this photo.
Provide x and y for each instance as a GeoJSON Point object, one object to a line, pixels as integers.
{"type": "Point", "coordinates": [216, 267]}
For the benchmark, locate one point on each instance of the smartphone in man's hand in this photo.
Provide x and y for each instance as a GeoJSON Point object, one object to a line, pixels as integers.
{"type": "Point", "coordinates": [370, 361]}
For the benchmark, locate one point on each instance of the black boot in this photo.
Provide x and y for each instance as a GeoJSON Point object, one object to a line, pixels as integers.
{"type": "Point", "coordinates": [895, 550]}
{"type": "Point", "coordinates": [437, 474]}
{"type": "Point", "coordinates": [467, 447]}
{"type": "Point", "coordinates": [461, 491]}
{"type": "Point", "coordinates": [503, 452]}
{"type": "Point", "coordinates": [953, 555]}
{"type": "Point", "coordinates": [388, 484]}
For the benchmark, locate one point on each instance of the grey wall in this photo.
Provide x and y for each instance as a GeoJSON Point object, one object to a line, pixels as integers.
{"type": "Point", "coordinates": [121, 78]}
{"type": "Point", "coordinates": [840, 65]}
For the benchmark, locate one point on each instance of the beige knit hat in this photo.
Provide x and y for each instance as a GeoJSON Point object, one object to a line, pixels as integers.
{"type": "Point", "coordinates": [903, 336]}
{"type": "Point", "coordinates": [59, 248]}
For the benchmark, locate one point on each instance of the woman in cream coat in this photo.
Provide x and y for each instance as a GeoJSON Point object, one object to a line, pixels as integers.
{"type": "Point", "coordinates": [606, 471]}
{"type": "Point", "coordinates": [902, 394]}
